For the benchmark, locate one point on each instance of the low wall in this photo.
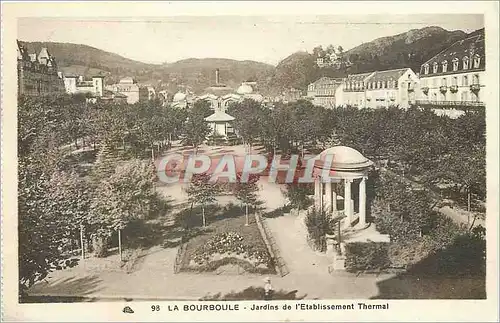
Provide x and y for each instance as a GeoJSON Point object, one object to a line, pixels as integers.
{"type": "Point", "coordinates": [271, 245]}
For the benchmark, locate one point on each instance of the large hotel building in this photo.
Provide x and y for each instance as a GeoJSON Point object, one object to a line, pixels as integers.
{"type": "Point", "coordinates": [453, 80]}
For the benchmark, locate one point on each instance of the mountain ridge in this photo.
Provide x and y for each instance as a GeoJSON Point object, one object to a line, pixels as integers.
{"type": "Point", "coordinates": [408, 49]}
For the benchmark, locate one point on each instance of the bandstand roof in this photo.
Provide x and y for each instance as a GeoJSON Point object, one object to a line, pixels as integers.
{"type": "Point", "coordinates": [219, 116]}
{"type": "Point", "coordinates": [344, 159]}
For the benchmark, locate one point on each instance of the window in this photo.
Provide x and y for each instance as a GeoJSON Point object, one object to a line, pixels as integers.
{"type": "Point", "coordinates": [435, 67]}
{"type": "Point", "coordinates": [455, 64]}
{"type": "Point", "coordinates": [465, 81]}
{"type": "Point", "coordinates": [466, 63]}
{"type": "Point", "coordinates": [475, 79]}
{"type": "Point", "coordinates": [379, 85]}
{"type": "Point", "coordinates": [373, 85]}
{"type": "Point", "coordinates": [445, 66]}
{"type": "Point", "coordinates": [443, 81]}
{"type": "Point", "coordinates": [455, 81]}
{"type": "Point", "coordinates": [477, 60]}
{"type": "Point", "coordinates": [426, 69]}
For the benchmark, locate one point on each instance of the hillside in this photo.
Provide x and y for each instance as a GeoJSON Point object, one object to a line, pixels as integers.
{"type": "Point", "coordinates": [196, 73]}
{"type": "Point", "coordinates": [409, 49]}
{"type": "Point", "coordinates": [200, 73]}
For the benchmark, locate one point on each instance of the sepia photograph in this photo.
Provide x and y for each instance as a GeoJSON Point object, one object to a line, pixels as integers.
{"type": "Point", "coordinates": [333, 161]}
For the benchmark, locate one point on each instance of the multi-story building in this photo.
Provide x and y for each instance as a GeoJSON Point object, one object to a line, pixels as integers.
{"type": "Point", "coordinates": [391, 88]}
{"type": "Point", "coordinates": [453, 80]}
{"type": "Point", "coordinates": [352, 91]}
{"type": "Point", "coordinates": [379, 89]}
{"type": "Point", "coordinates": [322, 91]}
{"type": "Point", "coordinates": [76, 84]}
{"type": "Point", "coordinates": [129, 87]}
{"type": "Point", "coordinates": [37, 73]}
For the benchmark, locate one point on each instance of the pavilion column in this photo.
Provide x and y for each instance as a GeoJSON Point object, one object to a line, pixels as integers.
{"type": "Point", "coordinates": [328, 193]}
{"type": "Point", "coordinates": [316, 191]}
{"type": "Point", "coordinates": [321, 196]}
{"type": "Point", "coordinates": [347, 202]}
{"type": "Point", "coordinates": [334, 199]}
{"type": "Point", "coordinates": [362, 202]}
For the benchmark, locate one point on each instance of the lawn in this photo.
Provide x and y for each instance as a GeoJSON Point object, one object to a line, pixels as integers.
{"type": "Point", "coordinates": [224, 221]}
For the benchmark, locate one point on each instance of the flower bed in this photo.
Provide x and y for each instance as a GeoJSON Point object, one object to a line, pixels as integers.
{"type": "Point", "coordinates": [229, 248]}
{"type": "Point", "coordinates": [228, 242]}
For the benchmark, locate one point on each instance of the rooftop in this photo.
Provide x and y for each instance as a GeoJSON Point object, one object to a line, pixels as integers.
{"type": "Point", "coordinates": [219, 116]}
{"type": "Point", "coordinates": [389, 75]}
{"type": "Point", "coordinates": [467, 47]}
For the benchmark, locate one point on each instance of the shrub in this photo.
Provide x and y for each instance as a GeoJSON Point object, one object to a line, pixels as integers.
{"type": "Point", "coordinates": [409, 252]}
{"type": "Point", "coordinates": [361, 256]}
{"type": "Point", "coordinates": [297, 194]}
{"type": "Point", "coordinates": [318, 225]}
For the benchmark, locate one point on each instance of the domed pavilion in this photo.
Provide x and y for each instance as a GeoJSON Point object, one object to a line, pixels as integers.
{"type": "Point", "coordinates": [341, 164]}
{"type": "Point", "coordinates": [220, 96]}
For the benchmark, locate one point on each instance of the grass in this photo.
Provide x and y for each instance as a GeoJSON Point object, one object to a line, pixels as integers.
{"type": "Point", "coordinates": [224, 223]}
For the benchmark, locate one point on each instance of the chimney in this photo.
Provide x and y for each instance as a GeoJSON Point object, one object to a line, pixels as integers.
{"type": "Point", "coordinates": [217, 77]}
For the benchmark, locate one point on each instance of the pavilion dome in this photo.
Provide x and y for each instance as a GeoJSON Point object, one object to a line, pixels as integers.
{"type": "Point", "coordinates": [244, 89]}
{"type": "Point", "coordinates": [344, 158]}
{"type": "Point", "coordinates": [179, 96]}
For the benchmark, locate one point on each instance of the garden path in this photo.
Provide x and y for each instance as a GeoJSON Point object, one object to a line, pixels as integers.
{"type": "Point", "coordinates": [154, 278]}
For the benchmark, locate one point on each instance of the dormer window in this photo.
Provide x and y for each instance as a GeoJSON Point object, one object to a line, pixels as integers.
{"type": "Point", "coordinates": [466, 63]}
{"type": "Point", "coordinates": [455, 64]}
{"type": "Point", "coordinates": [477, 61]}
{"type": "Point", "coordinates": [373, 85]}
{"type": "Point", "coordinates": [379, 85]}
{"type": "Point", "coordinates": [426, 69]}
{"type": "Point", "coordinates": [435, 67]}
{"type": "Point", "coordinates": [445, 66]}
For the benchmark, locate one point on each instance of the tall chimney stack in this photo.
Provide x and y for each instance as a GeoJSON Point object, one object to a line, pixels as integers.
{"type": "Point", "coordinates": [217, 77]}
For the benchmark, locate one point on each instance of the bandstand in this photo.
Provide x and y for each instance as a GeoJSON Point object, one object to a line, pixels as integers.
{"type": "Point", "coordinates": [341, 164]}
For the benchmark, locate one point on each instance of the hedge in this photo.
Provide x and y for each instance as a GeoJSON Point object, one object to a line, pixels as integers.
{"type": "Point", "coordinates": [367, 256]}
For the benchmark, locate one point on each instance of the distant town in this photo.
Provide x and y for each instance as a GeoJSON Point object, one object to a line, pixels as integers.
{"type": "Point", "coordinates": [449, 80]}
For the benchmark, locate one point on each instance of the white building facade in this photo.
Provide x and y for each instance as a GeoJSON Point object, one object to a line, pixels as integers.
{"type": "Point", "coordinates": [453, 80]}
{"type": "Point", "coordinates": [391, 88]}
{"type": "Point", "coordinates": [323, 91]}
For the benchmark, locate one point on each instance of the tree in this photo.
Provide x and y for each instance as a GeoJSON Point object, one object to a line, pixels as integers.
{"type": "Point", "coordinates": [201, 191]}
{"type": "Point", "coordinates": [246, 192]}
{"type": "Point", "coordinates": [126, 195]}
{"type": "Point", "coordinates": [196, 128]}
{"type": "Point", "coordinates": [70, 197]}
{"type": "Point", "coordinates": [40, 231]}
{"type": "Point", "coordinates": [248, 115]}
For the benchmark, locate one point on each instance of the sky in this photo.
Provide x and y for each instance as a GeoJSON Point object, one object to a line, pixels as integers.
{"type": "Point", "coordinates": [267, 39]}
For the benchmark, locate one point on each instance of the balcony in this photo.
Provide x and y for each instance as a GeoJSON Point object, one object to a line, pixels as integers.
{"type": "Point", "coordinates": [450, 104]}
{"type": "Point", "coordinates": [443, 88]}
{"type": "Point", "coordinates": [475, 87]}
{"type": "Point", "coordinates": [425, 89]}
{"type": "Point", "coordinates": [454, 88]}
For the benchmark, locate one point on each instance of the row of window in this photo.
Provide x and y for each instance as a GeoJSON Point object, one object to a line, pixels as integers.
{"type": "Point", "coordinates": [454, 81]}
{"type": "Point", "coordinates": [464, 96]}
{"type": "Point", "coordinates": [455, 62]}
{"type": "Point", "coordinates": [372, 85]}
